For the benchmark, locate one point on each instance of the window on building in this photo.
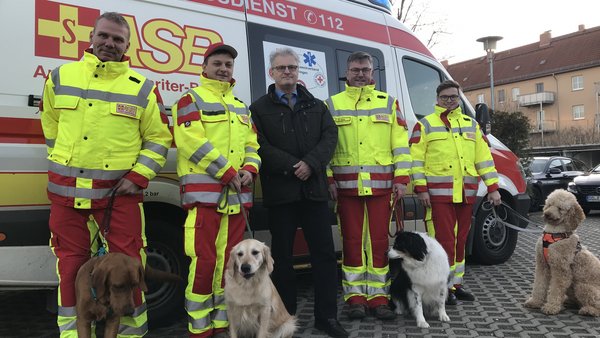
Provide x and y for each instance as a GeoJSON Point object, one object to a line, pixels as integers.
{"type": "Point", "coordinates": [481, 98]}
{"type": "Point", "coordinates": [515, 93]}
{"type": "Point", "coordinates": [577, 82]}
{"type": "Point", "coordinates": [539, 87]}
{"type": "Point", "coordinates": [501, 95]}
{"type": "Point", "coordinates": [578, 112]}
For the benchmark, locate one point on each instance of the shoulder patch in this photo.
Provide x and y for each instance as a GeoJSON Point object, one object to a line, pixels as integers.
{"type": "Point", "coordinates": [136, 80]}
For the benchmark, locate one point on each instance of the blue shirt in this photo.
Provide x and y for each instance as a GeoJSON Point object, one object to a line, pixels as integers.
{"type": "Point", "coordinates": [284, 99]}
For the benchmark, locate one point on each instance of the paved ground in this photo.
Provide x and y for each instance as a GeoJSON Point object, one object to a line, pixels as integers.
{"type": "Point", "coordinates": [497, 312]}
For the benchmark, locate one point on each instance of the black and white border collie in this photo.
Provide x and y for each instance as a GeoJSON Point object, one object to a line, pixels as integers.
{"type": "Point", "coordinates": [419, 270]}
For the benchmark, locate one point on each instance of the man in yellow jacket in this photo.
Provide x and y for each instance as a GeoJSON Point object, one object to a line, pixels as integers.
{"type": "Point", "coordinates": [449, 154]}
{"type": "Point", "coordinates": [107, 134]}
{"type": "Point", "coordinates": [217, 160]}
{"type": "Point", "coordinates": [371, 161]}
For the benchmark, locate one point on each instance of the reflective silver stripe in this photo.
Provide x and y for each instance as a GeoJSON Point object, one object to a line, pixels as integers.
{"type": "Point", "coordinates": [484, 164]}
{"type": "Point", "coordinates": [139, 310]}
{"type": "Point", "coordinates": [378, 184]}
{"type": "Point", "coordinates": [357, 113]}
{"type": "Point", "coordinates": [218, 300]}
{"type": "Point", "coordinates": [430, 129]}
{"type": "Point", "coordinates": [252, 160]}
{"type": "Point", "coordinates": [162, 109]}
{"type": "Point", "coordinates": [329, 103]}
{"type": "Point", "coordinates": [371, 290]}
{"type": "Point", "coordinates": [238, 111]}
{"type": "Point", "coordinates": [470, 192]}
{"type": "Point", "coordinates": [376, 169]}
{"type": "Point", "coordinates": [418, 176]}
{"type": "Point", "coordinates": [200, 323]}
{"type": "Point", "coordinates": [201, 152]}
{"type": "Point", "coordinates": [67, 311]}
{"type": "Point", "coordinates": [352, 277]}
{"type": "Point", "coordinates": [416, 163]}
{"type": "Point", "coordinates": [470, 179]}
{"type": "Point", "coordinates": [219, 314]}
{"type": "Point", "coordinates": [78, 192]}
{"type": "Point", "coordinates": [440, 192]}
{"type": "Point", "coordinates": [50, 142]}
{"type": "Point", "coordinates": [70, 326]}
{"type": "Point", "coordinates": [250, 150]}
{"type": "Point", "coordinates": [155, 147]}
{"type": "Point", "coordinates": [213, 197]}
{"type": "Point", "coordinates": [216, 165]}
{"type": "Point", "coordinates": [183, 111]}
{"type": "Point", "coordinates": [191, 305]}
{"type": "Point", "coordinates": [198, 178]}
{"type": "Point", "coordinates": [416, 134]}
{"type": "Point", "coordinates": [401, 151]}
{"type": "Point", "coordinates": [141, 99]}
{"type": "Point", "coordinates": [347, 184]}
{"type": "Point", "coordinates": [133, 331]}
{"type": "Point", "coordinates": [356, 289]}
{"type": "Point", "coordinates": [464, 130]}
{"type": "Point", "coordinates": [86, 173]}
{"type": "Point", "coordinates": [403, 165]}
{"type": "Point", "coordinates": [440, 179]}
{"type": "Point", "coordinates": [150, 163]}
{"type": "Point", "coordinates": [377, 278]}
{"type": "Point", "coordinates": [488, 176]}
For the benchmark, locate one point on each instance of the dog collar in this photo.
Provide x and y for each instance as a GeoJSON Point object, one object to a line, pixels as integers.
{"type": "Point", "coordinates": [552, 237]}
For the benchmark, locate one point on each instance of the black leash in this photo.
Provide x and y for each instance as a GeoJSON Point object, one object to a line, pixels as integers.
{"type": "Point", "coordinates": [223, 202]}
{"type": "Point", "coordinates": [399, 216]}
{"type": "Point", "coordinates": [102, 247]}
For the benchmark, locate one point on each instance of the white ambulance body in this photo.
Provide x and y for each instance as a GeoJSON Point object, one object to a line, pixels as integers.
{"type": "Point", "coordinates": [168, 39]}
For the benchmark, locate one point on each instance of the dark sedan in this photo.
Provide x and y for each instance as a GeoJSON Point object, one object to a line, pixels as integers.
{"type": "Point", "coordinates": [548, 173]}
{"type": "Point", "coordinates": [587, 189]}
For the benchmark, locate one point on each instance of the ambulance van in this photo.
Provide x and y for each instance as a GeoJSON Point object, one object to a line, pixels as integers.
{"type": "Point", "coordinates": [168, 41]}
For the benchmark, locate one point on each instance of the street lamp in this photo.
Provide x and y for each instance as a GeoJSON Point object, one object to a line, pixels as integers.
{"type": "Point", "coordinates": [489, 44]}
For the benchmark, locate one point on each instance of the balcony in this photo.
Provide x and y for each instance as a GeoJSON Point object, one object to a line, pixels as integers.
{"type": "Point", "coordinates": [536, 98]}
{"type": "Point", "coordinates": [549, 126]}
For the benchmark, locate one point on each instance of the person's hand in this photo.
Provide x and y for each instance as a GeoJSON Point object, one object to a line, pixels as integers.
{"type": "Point", "coordinates": [424, 198]}
{"type": "Point", "coordinates": [332, 192]}
{"type": "Point", "coordinates": [126, 187]}
{"type": "Point", "coordinates": [235, 183]}
{"type": "Point", "coordinates": [399, 190]}
{"type": "Point", "coordinates": [245, 177]}
{"type": "Point", "coordinates": [495, 198]}
{"type": "Point", "coordinates": [303, 170]}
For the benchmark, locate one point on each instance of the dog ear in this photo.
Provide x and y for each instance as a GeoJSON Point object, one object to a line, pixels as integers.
{"type": "Point", "coordinates": [141, 271]}
{"type": "Point", "coordinates": [231, 266]}
{"type": "Point", "coordinates": [99, 277]}
{"type": "Point", "coordinates": [267, 257]}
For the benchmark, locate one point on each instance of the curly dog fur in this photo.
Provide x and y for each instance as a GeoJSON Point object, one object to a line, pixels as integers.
{"type": "Point", "coordinates": [570, 273]}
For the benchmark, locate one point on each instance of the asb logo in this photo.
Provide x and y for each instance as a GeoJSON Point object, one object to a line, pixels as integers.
{"type": "Point", "coordinates": [62, 31]}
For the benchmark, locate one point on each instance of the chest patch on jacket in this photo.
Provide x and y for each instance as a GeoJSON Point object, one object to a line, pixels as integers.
{"type": "Point", "coordinates": [342, 120]}
{"type": "Point", "coordinates": [470, 135]}
{"type": "Point", "coordinates": [382, 117]}
{"type": "Point", "coordinates": [127, 110]}
{"type": "Point", "coordinates": [245, 119]}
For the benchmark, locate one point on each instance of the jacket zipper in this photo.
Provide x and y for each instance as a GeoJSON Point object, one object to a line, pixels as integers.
{"type": "Point", "coordinates": [283, 122]}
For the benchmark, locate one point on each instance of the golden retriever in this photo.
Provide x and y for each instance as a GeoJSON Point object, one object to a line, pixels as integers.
{"type": "Point", "coordinates": [104, 288]}
{"type": "Point", "coordinates": [254, 308]}
{"type": "Point", "coordinates": [565, 271]}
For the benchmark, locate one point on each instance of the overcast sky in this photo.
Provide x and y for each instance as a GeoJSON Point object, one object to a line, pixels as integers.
{"type": "Point", "coordinates": [519, 22]}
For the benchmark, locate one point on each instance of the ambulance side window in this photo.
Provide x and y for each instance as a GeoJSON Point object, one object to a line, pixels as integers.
{"type": "Point", "coordinates": [422, 80]}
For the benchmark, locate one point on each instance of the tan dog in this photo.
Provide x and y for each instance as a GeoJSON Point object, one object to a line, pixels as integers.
{"type": "Point", "coordinates": [104, 289]}
{"type": "Point", "coordinates": [254, 308]}
{"type": "Point", "coordinates": [565, 270]}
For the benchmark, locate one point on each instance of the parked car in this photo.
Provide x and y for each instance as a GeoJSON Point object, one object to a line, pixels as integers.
{"type": "Point", "coordinates": [546, 174]}
{"type": "Point", "coordinates": [586, 188]}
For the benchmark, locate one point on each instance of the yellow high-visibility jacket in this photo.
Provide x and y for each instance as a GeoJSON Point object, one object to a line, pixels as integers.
{"type": "Point", "coordinates": [449, 155]}
{"type": "Point", "coordinates": [372, 151]}
{"type": "Point", "coordinates": [215, 138]}
{"type": "Point", "coordinates": [102, 121]}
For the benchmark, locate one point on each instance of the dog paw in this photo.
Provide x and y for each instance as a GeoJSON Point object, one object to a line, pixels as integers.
{"type": "Point", "coordinates": [444, 317]}
{"type": "Point", "coordinates": [589, 311]}
{"type": "Point", "coordinates": [423, 324]}
{"type": "Point", "coordinates": [551, 309]}
{"type": "Point", "coordinates": [533, 304]}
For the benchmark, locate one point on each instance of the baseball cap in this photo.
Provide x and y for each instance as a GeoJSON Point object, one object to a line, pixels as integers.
{"type": "Point", "coordinates": [216, 47]}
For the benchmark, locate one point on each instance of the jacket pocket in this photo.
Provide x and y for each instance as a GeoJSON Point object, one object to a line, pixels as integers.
{"type": "Point", "coordinates": [126, 110]}
{"type": "Point", "coordinates": [381, 118]}
{"type": "Point", "coordinates": [437, 136]}
{"type": "Point", "coordinates": [119, 163]}
{"type": "Point", "coordinates": [60, 156]}
{"type": "Point", "coordinates": [66, 102]}
{"type": "Point", "coordinates": [244, 119]}
{"type": "Point", "coordinates": [213, 116]}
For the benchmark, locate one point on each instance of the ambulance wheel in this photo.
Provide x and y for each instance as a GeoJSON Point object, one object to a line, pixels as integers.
{"type": "Point", "coordinates": [493, 243]}
{"type": "Point", "coordinates": [165, 252]}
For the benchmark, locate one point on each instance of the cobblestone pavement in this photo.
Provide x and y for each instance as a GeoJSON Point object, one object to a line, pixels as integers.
{"type": "Point", "coordinates": [497, 312]}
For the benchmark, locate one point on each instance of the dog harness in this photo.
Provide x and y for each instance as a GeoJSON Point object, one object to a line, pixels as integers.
{"type": "Point", "coordinates": [549, 238]}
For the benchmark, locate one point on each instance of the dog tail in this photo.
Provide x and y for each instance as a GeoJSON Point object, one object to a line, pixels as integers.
{"type": "Point", "coordinates": [287, 329]}
{"type": "Point", "coordinates": [161, 276]}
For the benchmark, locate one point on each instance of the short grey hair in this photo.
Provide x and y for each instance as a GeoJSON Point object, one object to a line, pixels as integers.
{"type": "Point", "coordinates": [116, 18]}
{"type": "Point", "coordinates": [282, 52]}
{"type": "Point", "coordinates": [360, 56]}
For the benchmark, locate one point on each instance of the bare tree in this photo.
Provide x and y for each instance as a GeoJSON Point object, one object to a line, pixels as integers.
{"type": "Point", "coordinates": [413, 13]}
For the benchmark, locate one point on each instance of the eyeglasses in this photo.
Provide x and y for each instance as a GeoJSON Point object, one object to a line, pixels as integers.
{"type": "Point", "coordinates": [281, 69]}
{"type": "Point", "coordinates": [356, 71]}
{"type": "Point", "coordinates": [448, 97]}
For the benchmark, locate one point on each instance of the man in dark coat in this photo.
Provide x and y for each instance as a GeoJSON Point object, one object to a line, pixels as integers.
{"type": "Point", "coordinates": [297, 137]}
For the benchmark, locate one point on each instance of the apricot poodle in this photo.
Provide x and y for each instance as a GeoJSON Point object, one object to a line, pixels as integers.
{"type": "Point", "coordinates": [565, 271]}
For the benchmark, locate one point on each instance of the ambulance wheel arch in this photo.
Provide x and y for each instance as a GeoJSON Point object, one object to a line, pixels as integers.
{"type": "Point", "coordinates": [164, 232]}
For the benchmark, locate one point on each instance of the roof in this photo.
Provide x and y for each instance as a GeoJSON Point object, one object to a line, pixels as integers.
{"type": "Point", "coordinates": [548, 56]}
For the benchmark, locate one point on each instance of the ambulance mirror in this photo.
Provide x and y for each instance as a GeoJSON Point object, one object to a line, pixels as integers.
{"type": "Point", "coordinates": [482, 115]}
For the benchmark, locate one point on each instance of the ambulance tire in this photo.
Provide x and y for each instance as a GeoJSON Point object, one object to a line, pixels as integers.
{"type": "Point", "coordinates": [493, 243]}
{"type": "Point", "coordinates": [165, 252]}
